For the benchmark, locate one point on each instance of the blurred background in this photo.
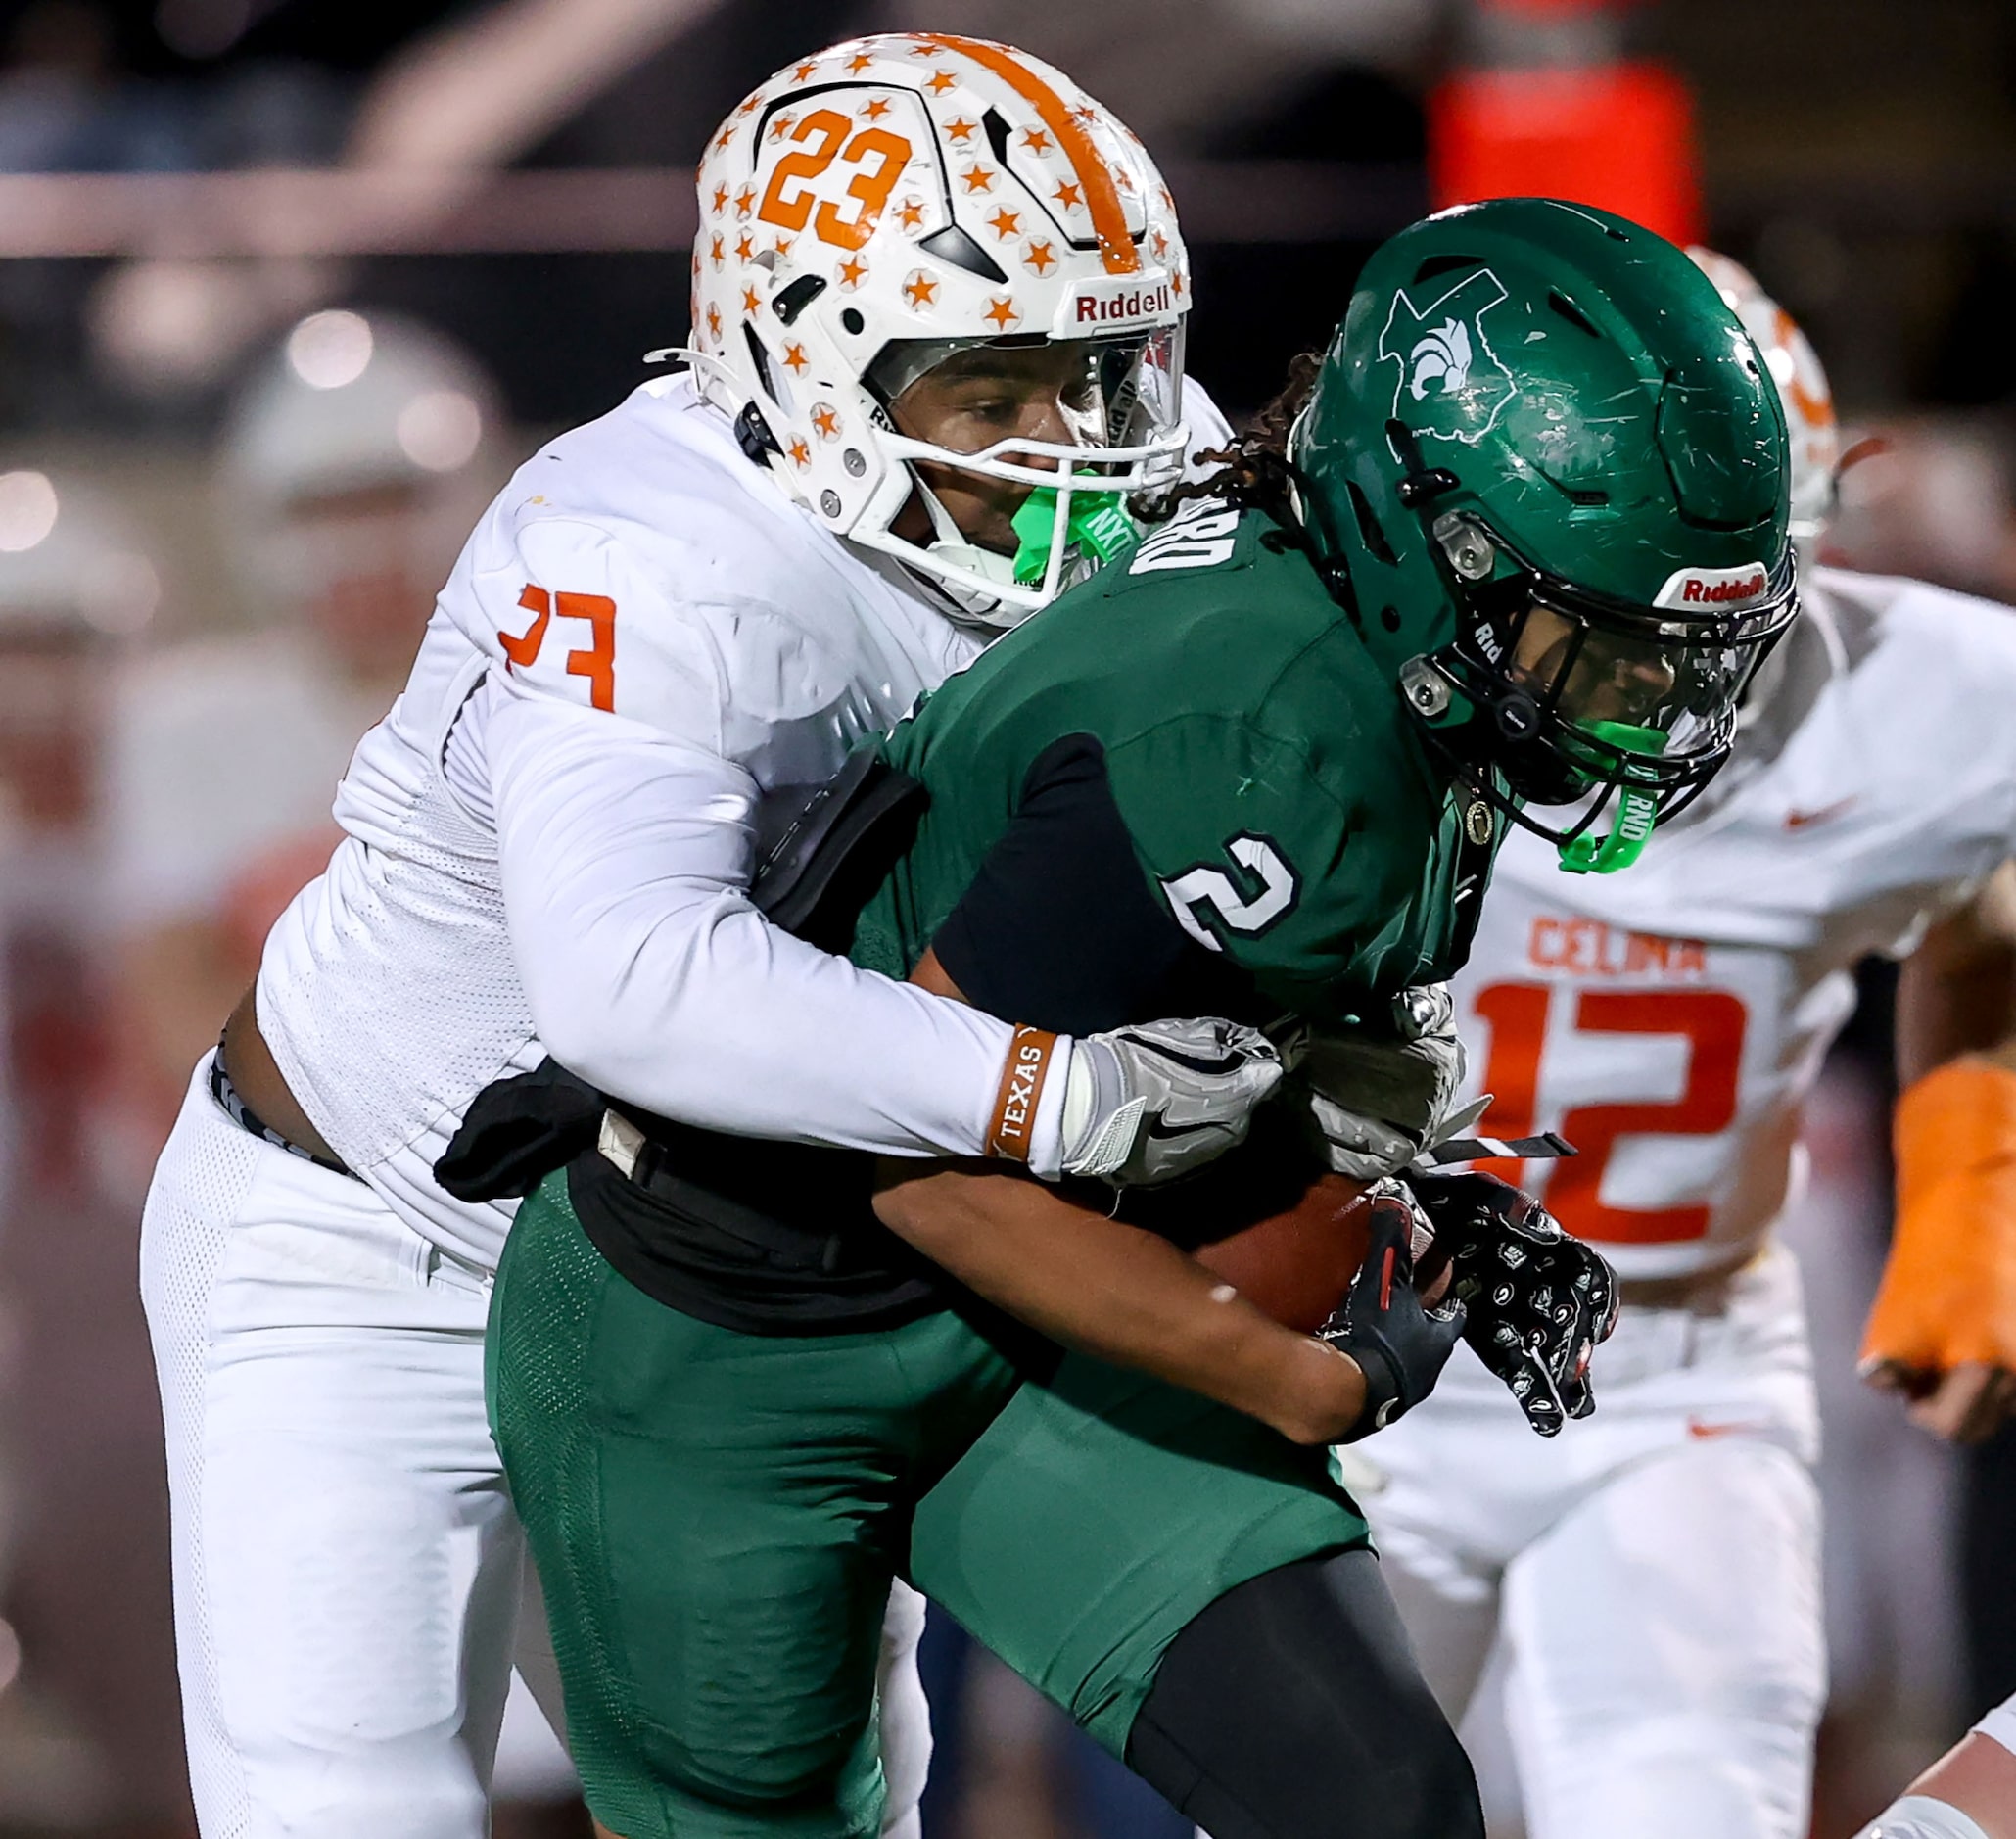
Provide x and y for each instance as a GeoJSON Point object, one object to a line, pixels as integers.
{"type": "Point", "coordinates": [286, 289]}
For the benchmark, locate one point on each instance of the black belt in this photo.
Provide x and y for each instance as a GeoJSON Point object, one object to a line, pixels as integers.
{"type": "Point", "coordinates": [234, 1106]}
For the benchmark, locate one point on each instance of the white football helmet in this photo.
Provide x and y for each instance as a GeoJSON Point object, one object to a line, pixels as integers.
{"type": "Point", "coordinates": [351, 402]}
{"type": "Point", "coordinates": [872, 211]}
{"type": "Point", "coordinates": [72, 568]}
{"type": "Point", "coordinates": [1803, 388]}
{"type": "Point", "coordinates": [353, 405]}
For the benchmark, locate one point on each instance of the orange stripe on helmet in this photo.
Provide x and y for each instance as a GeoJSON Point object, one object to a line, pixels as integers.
{"type": "Point", "coordinates": [1102, 196]}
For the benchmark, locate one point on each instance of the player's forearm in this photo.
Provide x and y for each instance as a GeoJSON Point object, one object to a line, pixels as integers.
{"type": "Point", "coordinates": [1958, 992]}
{"type": "Point", "coordinates": [714, 1018]}
{"type": "Point", "coordinates": [1124, 1295]}
{"type": "Point", "coordinates": [623, 861]}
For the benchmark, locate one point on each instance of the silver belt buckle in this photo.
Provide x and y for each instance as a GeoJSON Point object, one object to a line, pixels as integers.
{"type": "Point", "coordinates": [621, 1141]}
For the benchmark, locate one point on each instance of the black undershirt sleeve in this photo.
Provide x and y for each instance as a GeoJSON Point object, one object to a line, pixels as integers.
{"type": "Point", "coordinates": [1060, 927]}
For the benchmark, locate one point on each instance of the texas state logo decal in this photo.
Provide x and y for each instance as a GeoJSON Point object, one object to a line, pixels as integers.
{"type": "Point", "coordinates": [1451, 384]}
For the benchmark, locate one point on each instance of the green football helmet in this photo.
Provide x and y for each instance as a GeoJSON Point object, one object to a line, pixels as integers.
{"type": "Point", "coordinates": [1547, 470]}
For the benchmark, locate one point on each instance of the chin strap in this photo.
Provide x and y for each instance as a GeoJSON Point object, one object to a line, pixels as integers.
{"type": "Point", "coordinates": [949, 546]}
{"type": "Point", "coordinates": [1637, 811]}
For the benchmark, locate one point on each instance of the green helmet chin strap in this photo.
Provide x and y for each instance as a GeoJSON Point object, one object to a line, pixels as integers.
{"type": "Point", "coordinates": [1637, 811]}
{"type": "Point", "coordinates": [1098, 522]}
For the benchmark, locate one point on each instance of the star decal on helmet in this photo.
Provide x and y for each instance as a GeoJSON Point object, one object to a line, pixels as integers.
{"type": "Point", "coordinates": [978, 178]}
{"type": "Point", "coordinates": [941, 82]}
{"type": "Point", "coordinates": [781, 125]}
{"type": "Point", "coordinates": [1037, 141]}
{"type": "Point", "coordinates": [1123, 179]}
{"type": "Point", "coordinates": [1451, 380]}
{"type": "Point", "coordinates": [875, 109]}
{"type": "Point", "coordinates": [1005, 223]}
{"type": "Point", "coordinates": [752, 301]}
{"type": "Point", "coordinates": [1041, 258]}
{"type": "Point", "coordinates": [919, 289]}
{"type": "Point", "coordinates": [714, 319]}
{"type": "Point", "coordinates": [751, 103]}
{"type": "Point", "coordinates": [715, 252]}
{"type": "Point", "coordinates": [800, 451]}
{"type": "Point", "coordinates": [826, 421]}
{"type": "Point", "coordinates": [781, 245]}
{"type": "Point", "coordinates": [745, 201]}
{"type": "Point", "coordinates": [803, 73]}
{"type": "Point", "coordinates": [726, 134]}
{"type": "Point", "coordinates": [924, 48]}
{"type": "Point", "coordinates": [745, 247]}
{"type": "Point", "coordinates": [1002, 310]}
{"type": "Point", "coordinates": [1176, 284]}
{"type": "Point", "coordinates": [721, 199]}
{"type": "Point", "coordinates": [853, 272]}
{"type": "Point", "coordinates": [961, 129]}
{"type": "Point", "coordinates": [1158, 243]}
{"type": "Point", "coordinates": [794, 359]}
{"type": "Point", "coordinates": [910, 212]}
{"type": "Point", "coordinates": [860, 62]}
{"type": "Point", "coordinates": [1066, 195]}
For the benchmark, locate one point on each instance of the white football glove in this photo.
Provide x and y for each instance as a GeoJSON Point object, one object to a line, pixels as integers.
{"type": "Point", "coordinates": [1377, 1098]}
{"type": "Point", "coordinates": [1146, 1104]}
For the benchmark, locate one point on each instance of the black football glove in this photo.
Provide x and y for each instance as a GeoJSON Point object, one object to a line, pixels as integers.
{"type": "Point", "coordinates": [1539, 1300]}
{"type": "Point", "coordinates": [1399, 1343]}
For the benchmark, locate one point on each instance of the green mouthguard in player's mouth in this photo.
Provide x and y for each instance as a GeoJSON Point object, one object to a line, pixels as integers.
{"type": "Point", "coordinates": [1097, 524]}
{"type": "Point", "coordinates": [1637, 810]}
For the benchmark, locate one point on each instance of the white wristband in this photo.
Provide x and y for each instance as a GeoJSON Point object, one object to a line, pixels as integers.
{"type": "Point", "coordinates": [1047, 1132]}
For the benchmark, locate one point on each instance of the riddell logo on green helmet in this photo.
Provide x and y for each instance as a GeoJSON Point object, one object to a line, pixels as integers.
{"type": "Point", "coordinates": [1704, 589]}
{"type": "Point", "coordinates": [1451, 384]}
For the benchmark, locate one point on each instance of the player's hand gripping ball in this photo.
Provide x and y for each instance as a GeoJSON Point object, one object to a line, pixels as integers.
{"type": "Point", "coordinates": [1297, 1264]}
{"type": "Point", "coordinates": [1539, 1300]}
{"type": "Point", "coordinates": [1400, 1340]}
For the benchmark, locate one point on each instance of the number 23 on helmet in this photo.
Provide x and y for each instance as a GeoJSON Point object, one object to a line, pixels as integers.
{"type": "Point", "coordinates": [904, 201]}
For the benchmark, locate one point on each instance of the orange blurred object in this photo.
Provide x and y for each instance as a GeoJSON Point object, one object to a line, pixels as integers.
{"type": "Point", "coordinates": [1619, 137]}
{"type": "Point", "coordinates": [1949, 1290]}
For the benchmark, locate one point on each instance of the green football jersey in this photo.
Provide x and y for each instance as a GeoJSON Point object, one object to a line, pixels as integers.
{"type": "Point", "coordinates": [1279, 804]}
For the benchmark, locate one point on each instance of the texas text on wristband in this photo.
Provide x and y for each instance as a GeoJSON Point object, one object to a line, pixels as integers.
{"type": "Point", "coordinates": [1030, 1054]}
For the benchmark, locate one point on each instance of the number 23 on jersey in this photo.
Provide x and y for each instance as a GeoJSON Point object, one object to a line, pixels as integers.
{"type": "Point", "coordinates": [596, 661]}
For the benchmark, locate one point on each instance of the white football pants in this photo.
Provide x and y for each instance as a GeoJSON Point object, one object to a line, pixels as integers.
{"type": "Point", "coordinates": [1652, 1575]}
{"type": "Point", "coordinates": [347, 1561]}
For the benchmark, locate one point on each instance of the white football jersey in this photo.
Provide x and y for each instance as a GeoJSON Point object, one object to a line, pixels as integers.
{"type": "Point", "coordinates": [642, 636]}
{"type": "Point", "coordinates": [1669, 1019]}
{"type": "Point", "coordinates": [638, 565]}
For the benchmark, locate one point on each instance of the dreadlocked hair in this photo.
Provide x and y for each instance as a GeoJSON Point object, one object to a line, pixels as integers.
{"type": "Point", "coordinates": [1253, 472]}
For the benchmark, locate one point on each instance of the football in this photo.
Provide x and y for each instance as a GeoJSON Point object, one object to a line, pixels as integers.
{"type": "Point", "coordinates": [1297, 1265]}
{"type": "Point", "coordinates": [1286, 1235]}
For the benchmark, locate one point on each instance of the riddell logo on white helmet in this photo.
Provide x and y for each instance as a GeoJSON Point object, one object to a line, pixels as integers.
{"type": "Point", "coordinates": [1707, 588]}
{"type": "Point", "coordinates": [1112, 306]}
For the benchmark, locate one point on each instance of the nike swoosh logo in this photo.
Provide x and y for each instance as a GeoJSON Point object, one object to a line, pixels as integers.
{"type": "Point", "coordinates": [1799, 819]}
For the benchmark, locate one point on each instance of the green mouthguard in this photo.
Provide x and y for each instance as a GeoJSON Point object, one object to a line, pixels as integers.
{"type": "Point", "coordinates": [1099, 523]}
{"type": "Point", "coordinates": [1637, 811]}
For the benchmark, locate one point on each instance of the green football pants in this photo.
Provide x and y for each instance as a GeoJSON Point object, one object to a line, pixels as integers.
{"type": "Point", "coordinates": [715, 1518]}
